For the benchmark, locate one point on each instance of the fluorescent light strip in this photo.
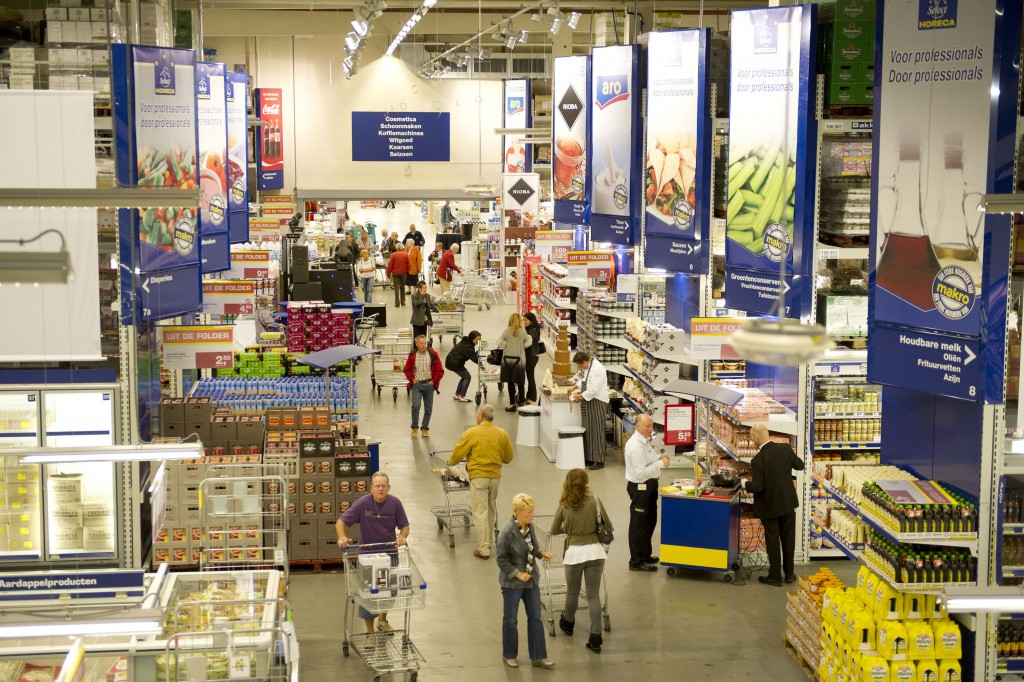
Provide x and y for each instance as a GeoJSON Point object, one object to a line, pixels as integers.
{"type": "Point", "coordinates": [109, 453]}
{"type": "Point", "coordinates": [124, 197]}
{"type": "Point", "coordinates": [409, 25]}
{"type": "Point", "coordinates": [84, 628]}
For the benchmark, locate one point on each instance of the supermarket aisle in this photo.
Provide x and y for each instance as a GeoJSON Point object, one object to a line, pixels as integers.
{"type": "Point", "coordinates": [697, 623]}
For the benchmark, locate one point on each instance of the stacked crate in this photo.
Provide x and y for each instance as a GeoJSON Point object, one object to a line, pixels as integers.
{"type": "Point", "coordinates": [847, 52]}
{"type": "Point", "coordinates": [313, 326]}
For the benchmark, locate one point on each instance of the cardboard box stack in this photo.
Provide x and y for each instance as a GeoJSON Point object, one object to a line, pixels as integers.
{"type": "Point", "coordinates": [847, 51]}
{"type": "Point", "coordinates": [19, 506]}
{"type": "Point", "coordinates": [803, 615]}
{"type": "Point", "coordinates": [874, 632]}
{"type": "Point", "coordinates": [313, 326]}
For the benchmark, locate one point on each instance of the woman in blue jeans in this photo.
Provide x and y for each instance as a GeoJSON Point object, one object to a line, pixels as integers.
{"type": "Point", "coordinates": [517, 555]}
{"type": "Point", "coordinates": [463, 352]}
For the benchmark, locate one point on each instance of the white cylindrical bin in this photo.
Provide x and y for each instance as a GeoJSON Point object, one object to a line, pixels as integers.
{"type": "Point", "coordinates": [569, 452]}
{"type": "Point", "coordinates": [528, 432]}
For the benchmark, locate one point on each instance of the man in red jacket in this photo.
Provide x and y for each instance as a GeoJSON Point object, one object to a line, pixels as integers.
{"type": "Point", "coordinates": [445, 267]}
{"type": "Point", "coordinates": [398, 268]}
{"type": "Point", "coordinates": [424, 370]}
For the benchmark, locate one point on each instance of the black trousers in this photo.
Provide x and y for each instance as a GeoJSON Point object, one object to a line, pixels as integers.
{"type": "Point", "coordinates": [514, 374]}
{"type": "Point", "coordinates": [643, 517]}
{"type": "Point", "coordinates": [780, 536]}
{"type": "Point", "coordinates": [531, 380]}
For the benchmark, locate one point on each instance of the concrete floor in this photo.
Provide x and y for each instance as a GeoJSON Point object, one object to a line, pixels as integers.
{"type": "Point", "coordinates": [692, 626]}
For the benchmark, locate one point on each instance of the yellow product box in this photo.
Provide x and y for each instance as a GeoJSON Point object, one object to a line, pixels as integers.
{"type": "Point", "coordinates": [892, 640]}
{"type": "Point", "coordinates": [948, 643]}
{"type": "Point", "coordinates": [920, 640]}
{"type": "Point", "coordinates": [949, 671]}
{"type": "Point", "coordinates": [902, 671]}
{"type": "Point", "coordinates": [927, 669]}
{"type": "Point", "coordinates": [874, 669]}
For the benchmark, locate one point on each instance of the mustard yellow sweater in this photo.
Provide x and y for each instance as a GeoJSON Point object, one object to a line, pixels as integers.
{"type": "Point", "coordinates": [485, 447]}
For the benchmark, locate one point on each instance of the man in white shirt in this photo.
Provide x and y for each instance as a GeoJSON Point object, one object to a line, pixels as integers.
{"type": "Point", "coordinates": [592, 393]}
{"type": "Point", "coordinates": [643, 466]}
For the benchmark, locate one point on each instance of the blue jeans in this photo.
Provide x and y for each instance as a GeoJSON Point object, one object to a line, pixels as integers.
{"type": "Point", "coordinates": [367, 289]}
{"type": "Point", "coordinates": [424, 392]}
{"type": "Point", "coordinates": [530, 596]}
{"type": "Point", "coordinates": [464, 378]}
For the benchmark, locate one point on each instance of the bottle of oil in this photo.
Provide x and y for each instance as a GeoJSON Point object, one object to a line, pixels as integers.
{"type": "Point", "coordinates": [954, 236]}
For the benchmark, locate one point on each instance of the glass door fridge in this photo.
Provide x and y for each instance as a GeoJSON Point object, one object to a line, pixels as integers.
{"type": "Point", "coordinates": [20, 500]}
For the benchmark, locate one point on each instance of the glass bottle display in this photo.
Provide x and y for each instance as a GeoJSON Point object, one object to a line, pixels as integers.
{"type": "Point", "coordinates": [954, 238]}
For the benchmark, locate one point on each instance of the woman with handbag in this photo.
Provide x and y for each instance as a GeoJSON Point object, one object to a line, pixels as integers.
{"type": "Point", "coordinates": [582, 518]}
{"type": "Point", "coordinates": [513, 342]}
{"type": "Point", "coordinates": [532, 356]}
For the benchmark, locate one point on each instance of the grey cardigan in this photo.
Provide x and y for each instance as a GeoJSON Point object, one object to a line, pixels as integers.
{"type": "Point", "coordinates": [580, 525]}
{"type": "Point", "coordinates": [515, 346]}
{"type": "Point", "coordinates": [512, 551]}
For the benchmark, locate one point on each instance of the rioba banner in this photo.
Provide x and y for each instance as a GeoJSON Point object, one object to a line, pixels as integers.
{"type": "Point", "coordinates": [204, 347]}
{"type": "Point", "coordinates": [571, 130]}
{"type": "Point", "coordinates": [944, 124]}
{"type": "Point", "coordinates": [520, 199]}
{"type": "Point", "coordinates": [270, 149]}
{"type": "Point", "coordinates": [237, 93]}
{"type": "Point", "coordinates": [517, 157]}
{"type": "Point", "coordinates": [770, 216]}
{"type": "Point", "coordinates": [677, 194]}
{"type": "Point", "coordinates": [211, 108]}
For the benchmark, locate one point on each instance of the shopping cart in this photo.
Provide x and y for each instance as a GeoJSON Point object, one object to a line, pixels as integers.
{"type": "Point", "coordinates": [447, 322]}
{"type": "Point", "coordinates": [270, 654]}
{"type": "Point", "coordinates": [383, 578]}
{"type": "Point", "coordinates": [453, 479]}
{"type": "Point", "coordinates": [388, 368]}
{"type": "Point", "coordinates": [477, 287]}
{"type": "Point", "coordinates": [485, 373]}
{"type": "Point", "coordinates": [552, 577]}
{"type": "Point", "coordinates": [366, 330]}
{"type": "Point", "coordinates": [752, 553]}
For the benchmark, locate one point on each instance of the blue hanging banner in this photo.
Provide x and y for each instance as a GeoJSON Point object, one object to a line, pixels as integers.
{"type": "Point", "coordinates": [169, 293]}
{"type": "Point", "coordinates": [945, 120]}
{"type": "Point", "coordinates": [154, 93]}
{"type": "Point", "coordinates": [237, 93]}
{"type": "Point", "coordinates": [211, 111]}
{"type": "Point", "coordinates": [401, 136]}
{"type": "Point", "coordinates": [615, 178]}
{"type": "Point", "coordinates": [772, 145]}
{"type": "Point", "coordinates": [677, 171]}
{"type": "Point", "coordinates": [270, 139]}
{"type": "Point", "coordinates": [571, 137]}
{"type": "Point", "coordinates": [517, 156]}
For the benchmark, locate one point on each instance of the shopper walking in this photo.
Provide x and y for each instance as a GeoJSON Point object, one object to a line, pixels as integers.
{"type": "Point", "coordinates": [447, 216]}
{"type": "Point", "coordinates": [592, 393]}
{"type": "Point", "coordinates": [775, 502]}
{"type": "Point", "coordinates": [643, 466]}
{"type": "Point", "coordinates": [485, 448]}
{"type": "Point", "coordinates": [424, 371]}
{"type": "Point", "coordinates": [447, 267]}
{"type": "Point", "coordinates": [584, 554]}
{"type": "Point", "coordinates": [461, 353]}
{"type": "Point", "coordinates": [388, 243]}
{"type": "Point", "coordinates": [398, 268]}
{"type": "Point", "coordinates": [421, 305]}
{"type": "Point", "coordinates": [415, 265]}
{"type": "Point", "coordinates": [518, 552]}
{"type": "Point", "coordinates": [382, 520]}
{"type": "Point", "coordinates": [415, 235]}
{"type": "Point", "coordinates": [367, 271]}
{"type": "Point", "coordinates": [514, 342]}
{"type": "Point", "coordinates": [533, 352]}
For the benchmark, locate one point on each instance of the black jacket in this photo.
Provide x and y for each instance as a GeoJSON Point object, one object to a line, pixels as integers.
{"type": "Point", "coordinates": [417, 238]}
{"type": "Point", "coordinates": [461, 353]}
{"type": "Point", "coordinates": [772, 480]}
{"type": "Point", "coordinates": [533, 350]}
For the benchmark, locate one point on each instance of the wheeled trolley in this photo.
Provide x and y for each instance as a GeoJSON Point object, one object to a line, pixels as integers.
{"type": "Point", "coordinates": [454, 479]}
{"type": "Point", "coordinates": [485, 373]}
{"type": "Point", "coordinates": [447, 322]}
{"type": "Point", "coordinates": [552, 577]}
{"type": "Point", "coordinates": [383, 579]}
{"type": "Point", "coordinates": [477, 287]}
{"type": "Point", "coordinates": [701, 533]}
{"type": "Point", "coordinates": [389, 367]}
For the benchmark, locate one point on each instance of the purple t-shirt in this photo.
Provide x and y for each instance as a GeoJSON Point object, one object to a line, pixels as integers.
{"type": "Point", "coordinates": [377, 522]}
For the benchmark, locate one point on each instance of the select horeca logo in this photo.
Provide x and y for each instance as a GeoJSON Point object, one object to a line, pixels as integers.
{"type": "Point", "coordinates": [766, 34]}
{"type": "Point", "coordinates": [933, 14]}
{"type": "Point", "coordinates": [953, 292]}
{"type": "Point", "coordinates": [776, 242]}
{"type": "Point", "coordinates": [521, 192]}
{"type": "Point", "coordinates": [611, 89]}
{"type": "Point", "coordinates": [203, 88]}
{"type": "Point", "coordinates": [570, 107]}
{"type": "Point", "coordinates": [164, 74]}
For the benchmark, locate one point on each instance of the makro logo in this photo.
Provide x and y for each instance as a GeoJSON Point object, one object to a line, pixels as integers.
{"type": "Point", "coordinates": [271, 109]}
{"type": "Point", "coordinates": [611, 89]}
{"type": "Point", "coordinates": [515, 105]}
{"type": "Point", "coordinates": [933, 14]}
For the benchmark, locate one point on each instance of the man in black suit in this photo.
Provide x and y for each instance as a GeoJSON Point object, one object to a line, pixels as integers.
{"type": "Point", "coordinates": [775, 502]}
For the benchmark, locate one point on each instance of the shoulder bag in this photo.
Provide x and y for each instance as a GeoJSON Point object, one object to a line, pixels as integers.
{"type": "Point", "coordinates": [605, 535]}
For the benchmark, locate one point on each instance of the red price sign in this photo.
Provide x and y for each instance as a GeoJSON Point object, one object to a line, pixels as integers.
{"type": "Point", "coordinates": [256, 273]}
{"type": "Point", "coordinates": [679, 424]}
{"type": "Point", "coordinates": [597, 273]}
{"type": "Point", "coordinates": [238, 308]}
{"type": "Point", "coordinates": [214, 360]}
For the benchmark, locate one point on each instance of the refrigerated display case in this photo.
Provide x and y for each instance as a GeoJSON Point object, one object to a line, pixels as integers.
{"type": "Point", "coordinates": [58, 512]}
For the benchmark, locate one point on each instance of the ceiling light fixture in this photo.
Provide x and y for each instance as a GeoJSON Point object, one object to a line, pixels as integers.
{"type": "Point", "coordinates": [409, 25]}
{"type": "Point", "coordinates": [145, 452]}
{"type": "Point", "coordinates": [36, 267]}
{"type": "Point", "coordinates": [118, 197]}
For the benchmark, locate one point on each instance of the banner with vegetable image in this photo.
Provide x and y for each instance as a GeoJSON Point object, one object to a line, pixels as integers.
{"type": "Point", "coordinates": [211, 111]}
{"type": "Point", "coordinates": [571, 130]}
{"type": "Point", "coordinates": [517, 156]}
{"type": "Point", "coordinates": [615, 180]}
{"type": "Point", "coordinates": [237, 92]}
{"type": "Point", "coordinates": [772, 133]}
{"type": "Point", "coordinates": [270, 145]}
{"type": "Point", "coordinates": [945, 108]}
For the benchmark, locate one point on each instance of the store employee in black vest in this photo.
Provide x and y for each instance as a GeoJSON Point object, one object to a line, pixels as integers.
{"type": "Point", "coordinates": [775, 502]}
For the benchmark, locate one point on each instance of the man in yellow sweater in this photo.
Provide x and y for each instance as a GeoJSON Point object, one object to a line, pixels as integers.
{"type": "Point", "coordinates": [485, 448]}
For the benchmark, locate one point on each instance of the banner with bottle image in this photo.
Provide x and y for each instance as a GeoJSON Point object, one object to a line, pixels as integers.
{"type": "Point", "coordinates": [154, 93]}
{"type": "Point", "coordinates": [270, 147]}
{"type": "Point", "coordinates": [237, 91]}
{"type": "Point", "coordinates": [945, 110]}
{"type": "Point", "coordinates": [571, 130]}
{"type": "Point", "coordinates": [772, 132]}
{"type": "Point", "coordinates": [211, 111]}
{"type": "Point", "coordinates": [615, 180]}
{"type": "Point", "coordinates": [517, 156]}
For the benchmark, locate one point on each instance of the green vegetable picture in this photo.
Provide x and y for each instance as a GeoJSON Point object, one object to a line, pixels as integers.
{"type": "Point", "coordinates": [762, 185]}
